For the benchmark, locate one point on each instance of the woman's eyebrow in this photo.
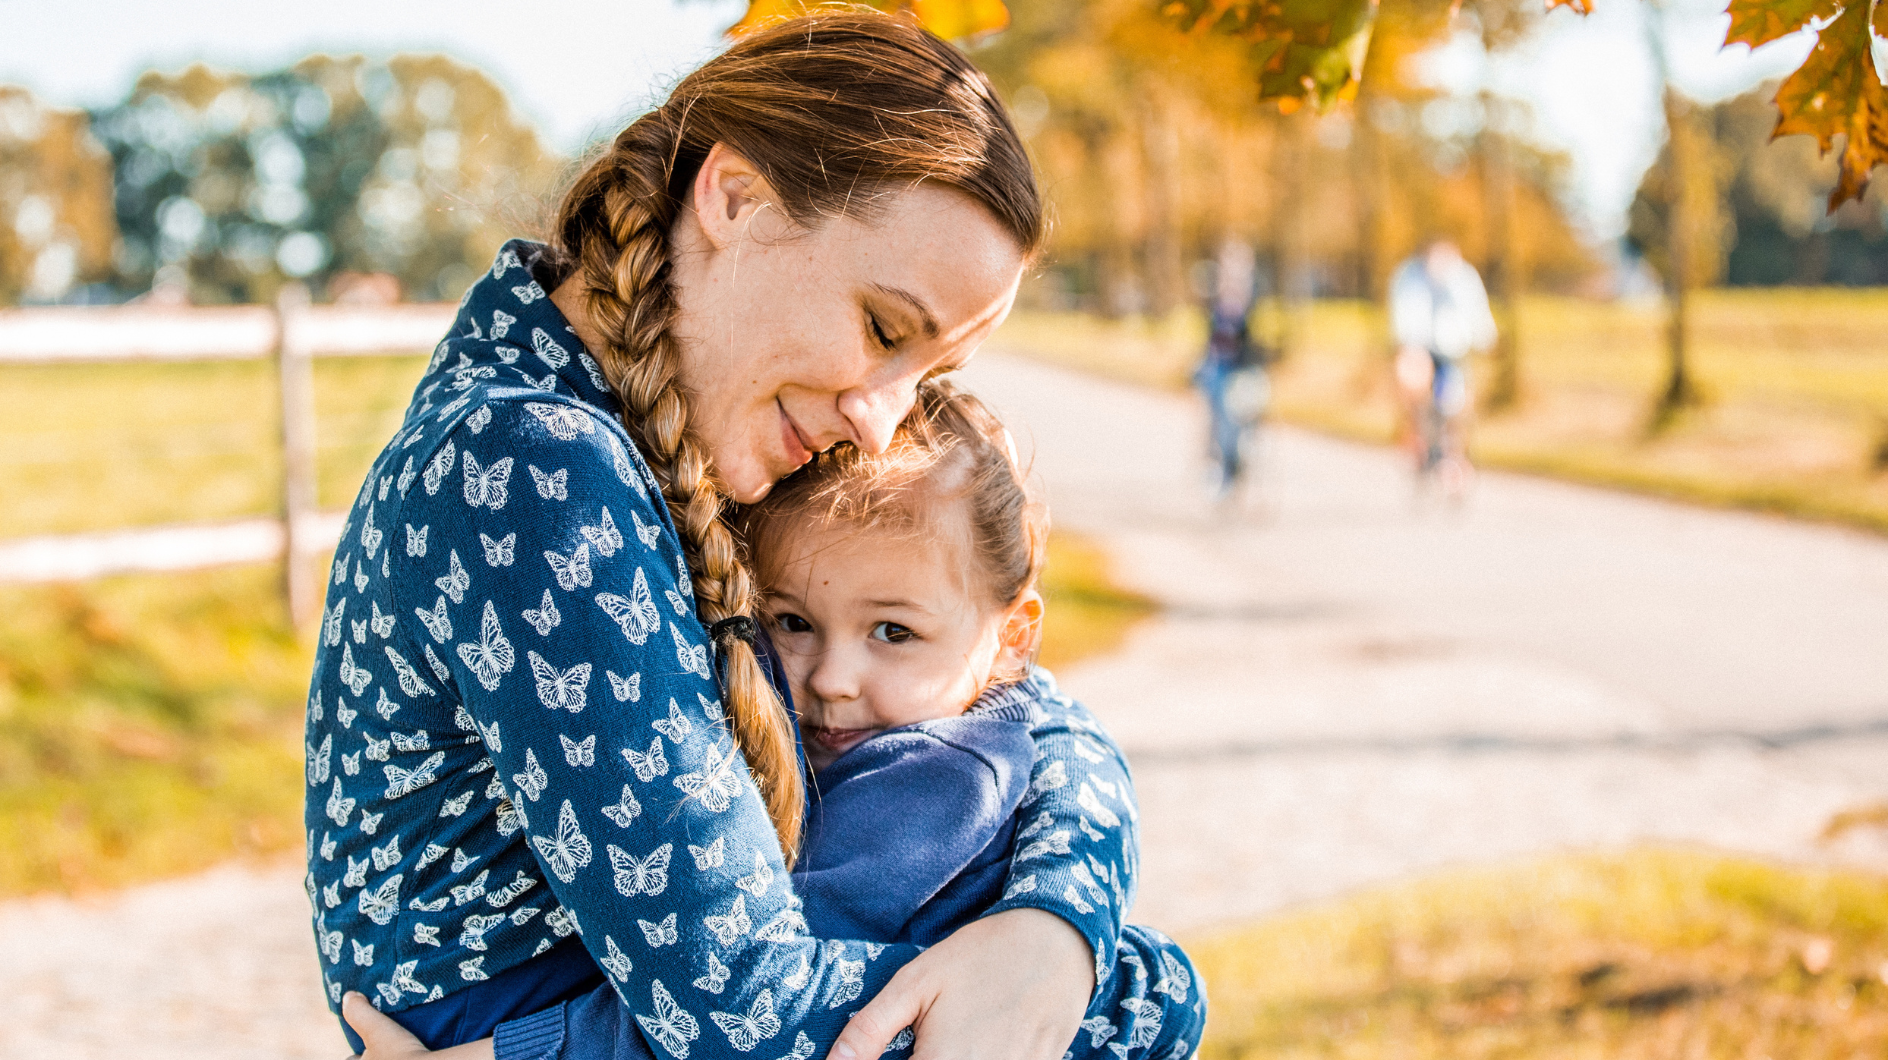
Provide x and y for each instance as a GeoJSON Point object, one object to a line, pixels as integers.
{"type": "Point", "coordinates": [927, 320]}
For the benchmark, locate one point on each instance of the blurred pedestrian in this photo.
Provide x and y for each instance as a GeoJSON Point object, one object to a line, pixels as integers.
{"type": "Point", "coordinates": [1440, 317]}
{"type": "Point", "coordinates": [1231, 374]}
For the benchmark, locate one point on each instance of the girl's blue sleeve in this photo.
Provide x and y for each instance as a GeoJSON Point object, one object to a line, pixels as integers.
{"type": "Point", "coordinates": [565, 622]}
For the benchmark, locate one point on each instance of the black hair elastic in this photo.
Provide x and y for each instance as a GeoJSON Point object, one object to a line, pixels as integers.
{"type": "Point", "coordinates": [736, 627]}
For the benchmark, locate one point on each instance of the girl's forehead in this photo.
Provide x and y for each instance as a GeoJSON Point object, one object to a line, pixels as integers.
{"type": "Point", "coordinates": [865, 562]}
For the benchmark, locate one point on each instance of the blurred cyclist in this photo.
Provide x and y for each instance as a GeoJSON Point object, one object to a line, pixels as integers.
{"type": "Point", "coordinates": [1232, 372]}
{"type": "Point", "coordinates": [1439, 315]}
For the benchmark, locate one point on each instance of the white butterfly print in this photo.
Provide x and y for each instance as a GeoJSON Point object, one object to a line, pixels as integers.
{"type": "Point", "coordinates": [1175, 980]}
{"type": "Point", "coordinates": [710, 856]}
{"type": "Point", "coordinates": [462, 861]}
{"type": "Point", "coordinates": [747, 1030]}
{"type": "Point", "coordinates": [383, 624]}
{"type": "Point", "coordinates": [330, 941]}
{"type": "Point", "coordinates": [1075, 899]}
{"type": "Point", "coordinates": [802, 1048]}
{"type": "Point", "coordinates": [439, 467]}
{"type": "Point", "coordinates": [361, 577]}
{"type": "Point", "coordinates": [340, 808]}
{"type": "Point", "coordinates": [596, 375]}
{"type": "Point", "coordinates": [676, 601]}
{"type": "Point", "coordinates": [314, 706]}
{"type": "Point", "coordinates": [351, 675]}
{"type": "Point", "coordinates": [726, 927]}
{"type": "Point", "coordinates": [386, 857]}
{"type": "Point", "coordinates": [456, 580]}
{"type": "Point", "coordinates": [328, 845]}
{"type": "Point", "coordinates": [426, 935]}
{"type": "Point", "coordinates": [710, 707]}
{"type": "Point", "coordinates": [901, 1040]}
{"type": "Point", "coordinates": [482, 416]}
{"type": "Point", "coordinates": [552, 487]}
{"type": "Point", "coordinates": [472, 936]}
{"type": "Point", "coordinates": [510, 817]}
{"type": "Point", "coordinates": [1056, 842]}
{"type": "Point", "coordinates": [1022, 886]}
{"type": "Point", "coordinates": [615, 961]}
{"type": "Point", "coordinates": [340, 567]}
{"type": "Point", "coordinates": [566, 851]}
{"type": "Point", "coordinates": [508, 354]}
{"type": "Point", "coordinates": [548, 384]}
{"type": "Point", "coordinates": [331, 623]}
{"type": "Point", "coordinates": [625, 689]}
{"type": "Point", "coordinates": [1147, 1021]}
{"type": "Point", "coordinates": [363, 955]}
{"type": "Point", "coordinates": [635, 614]}
{"type": "Point", "coordinates": [572, 572]}
{"type": "Point", "coordinates": [560, 689]}
{"type": "Point", "coordinates": [659, 935]}
{"type": "Point", "coordinates": [785, 927]}
{"type": "Point", "coordinates": [676, 727]}
{"type": "Point", "coordinates": [486, 487]}
{"type": "Point", "coordinates": [797, 980]}
{"type": "Point", "coordinates": [648, 766]}
{"type": "Point", "coordinates": [408, 744]}
{"type": "Point", "coordinates": [716, 979]}
{"type": "Point", "coordinates": [428, 907]}
{"type": "Point", "coordinates": [379, 905]}
{"type": "Point", "coordinates": [693, 658]}
{"type": "Point", "coordinates": [386, 707]}
{"type": "Point", "coordinates": [544, 617]}
{"type": "Point", "coordinates": [851, 982]}
{"type": "Point", "coordinates": [671, 1025]}
{"type": "Point", "coordinates": [351, 764]}
{"type": "Point", "coordinates": [370, 822]}
{"type": "Point", "coordinates": [410, 682]}
{"type": "Point", "coordinates": [1099, 1029]}
{"type": "Point", "coordinates": [579, 754]}
{"type": "Point", "coordinates": [716, 785]}
{"type": "Point", "coordinates": [548, 350]}
{"type": "Point", "coordinates": [499, 553]}
{"type": "Point", "coordinates": [532, 781]}
{"type": "Point", "coordinates": [438, 624]}
{"type": "Point", "coordinates": [761, 879]}
{"type": "Point", "coordinates": [648, 533]}
{"type": "Point", "coordinates": [407, 474]}
{"type": "Point", "coordinates": [528, 293]}
{"type": "Point", "coordinates": [493, 736]}
{"type": "Point", "coordinates": [318, 761]}
{"type": "Point", "coordinates": [438, 667]}
{"type": "Point", "coordinates": [625, 473]}
{"type": "Point", "coordinates": [360, 631]}
{"type": "Point", "coordinates": [404, 782]}
{"type": "Point", "coordinates": [501, 320]}
{"type": "Point", "coordinates": [471, 892]}
{"type": "Point", "coordinates": [386, 564]}
{"type": "Point", "coordinates": [625, 809]}
{"type": "Point", "coordinates": [507, 259]}
{"type": "Point", "coordinates": [1087, 800]}
{"type": "Point", "coordinates": [432, 853]}
{"type": "Point", "coordinates": [370, 535]}
{"type": "Point", "coordinates": [647, 875]}
{"type": "Point", "coordinates": [491, 658]}
{"type": "Point", "coordinates": [604, 536]}
{"type": "Point", "coordinates": [356, 875]}
{"type": "Point", "coordinates": [472, 970]}
{"type": "Point", "coordinates": [1051, 776]}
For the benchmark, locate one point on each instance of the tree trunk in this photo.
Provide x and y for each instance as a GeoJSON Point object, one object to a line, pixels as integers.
{"type": "Point", "coordinates": [1501, 266]}
{"type": "Point", "coordinates": [1166, 274]}
{"type": "Point", "coordinates": [1681, 225]}
{"type": "Point", "coordinates": [1290, 282]}
{"type": "Point", "coordinates": [1368, 180]}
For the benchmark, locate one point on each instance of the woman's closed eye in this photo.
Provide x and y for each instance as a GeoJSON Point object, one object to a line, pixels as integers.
{"type": "Point", "coordinates": [892, 633]}
{"type": "Point", "coordinates": [878, 332]}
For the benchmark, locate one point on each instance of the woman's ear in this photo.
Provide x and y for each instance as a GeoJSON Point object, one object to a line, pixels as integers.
{"type": "Point", "coordinates": [728, 193]}
{"type": "Point", "coordinates": [1021, 634]}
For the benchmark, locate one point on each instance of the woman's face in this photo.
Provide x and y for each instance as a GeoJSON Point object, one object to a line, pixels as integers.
{"type": "Point", "coordinates": [794, 340]}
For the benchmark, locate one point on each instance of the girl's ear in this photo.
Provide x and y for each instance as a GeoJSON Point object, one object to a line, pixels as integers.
{"type": "Point", "coordinates": [1021, 634]}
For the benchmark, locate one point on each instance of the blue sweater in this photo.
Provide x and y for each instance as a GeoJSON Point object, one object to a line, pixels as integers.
{"type": "Point", "coordinates": [514, 737]}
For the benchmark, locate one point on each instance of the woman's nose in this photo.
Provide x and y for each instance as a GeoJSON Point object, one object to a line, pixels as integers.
{"type": "Point", "coordinates": [874, 413]}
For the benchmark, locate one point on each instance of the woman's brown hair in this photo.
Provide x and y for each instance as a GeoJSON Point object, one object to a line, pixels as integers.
{"type": "Point", "coordinates": [838, 111]}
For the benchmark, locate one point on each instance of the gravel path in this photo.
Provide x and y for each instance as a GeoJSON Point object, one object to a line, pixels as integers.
{"type": "Point", "coordinates": [1341, 691]}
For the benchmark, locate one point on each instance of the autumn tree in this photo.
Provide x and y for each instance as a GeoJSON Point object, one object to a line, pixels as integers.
{"type": "Point", "coordinates": [55, 194]}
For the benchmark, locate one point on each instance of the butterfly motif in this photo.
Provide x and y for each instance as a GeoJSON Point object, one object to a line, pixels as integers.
{"type": "Point", "coordinates": [370, 822]}
{"type": "Point", "coordinates": [692, 657]}
{"type": "Point", "coordinates": [571, 572]}
{"type": "Point", "coordinates": [1075, 899]}
{"type": "Point", "coordinates": [544, 617]}
{"type": "Point", "coordinates": [331, 623]}
{"type": "Point", "coordinates": [439, 467]}
{"type": "Point", "coordinates": [726, 927]}
{"type": "Point", "coordinates": [360, 631]}
{"type": "Point", "coordinates": [482, 416]}
{"type": "Point", "coordinates": [361, 578]}
{"type": "Point", "coordinates": [351, 675]}
{"type": "Point", "coordinates": [648, 766]}
{"type": "Point", "coordinates": [625, 809]}
{"type": "Point", "coordinates": [548, 384]}
{"type": "Point", "coordinates": [783, 928]}
{"type": "Point", "coordinates": [438, 666]}
{"type": "Point", "coordinates": [492, 735]}
{"type": "Point", "coordinates": [677, 601]}
{"type": "Point", "coordinates": [626, 473]}
{"type": "Point", "coordinates": [560, 689]}
{"type": "Point", "coordinates": [762, 878]}
{"type": "Point", "coordinates": [474, 927]}
{"type": "Point", "coordinates": [351, 764]}
{"type": "Point", "coordinates": [437, 622]}
{"type": "Point", "coordinates": [648, 533]}
{"type": "Point", "coordinates": [410, 681]}
{"type": "Point", "coordinates": [404, 782]}
{"type": "Point", "coordinates": [1147, 1020]}
{"type": "Point", "coordinates": [330, 942]}
{"type": "Point", "coordinates": [604, 536]}
{"type": "Point", "coordinates": [432, 853]}
{"type": "Point", "coordinates": [508, 354]}
{"type": "Point", "coordinates": [456, 580]}
{"type": "Point", "coordinates": [507, 260]}
{"type": "Point", "coordinates": [528, 293]}
{"type": "Point", "coordinates": [615, 961]}
{"type": "Point", "coordinates": [579, 754]}
{"type": "Point", "coordinates": [677, 726]}
{"type": "Point", "coordinates": [596, 375]}
{"type": "Point", "coordinates": [379, 905]}
{"type": "Point", "coordinates": [461, 860]}
{"type": "Point", "coordinates": [383, 624]}
{"type": "Point", "coordinates": [370, 535]}
{"type": "Point", "coordinates": [802, 1048]}
{"type": "Point", "coordinates": [1175, 980]}
{"type": "Point", "coordinates": [318, 761]}
{"type": "Point", "coordinates": [340, 567]}
{"type": "Point", "coordinates": [486, 487]}
{"type": "Point", "coordinates": [648, 875]}
{"type": "Point", "coordinates": [851, 982]}
{"type": "Point", "coordinates": [386, 857]}
{"type": "Point", "coordinates": [716, 979]}
{"type": "Point", "coordinates": [548, 350]}
{"type": "Point", "coordinates": [552, 487]}
{"type": "Point", "coordinates": [749, 1029]}
{"type": "Point", "coordinates": [710, 856]}
{"type": "Point", "coordinates": [466, 893]}
{"type": "Point", "coordinates": [532, 781]}
{"type": "Point", "coordinates": [345, 715]}
{"type": "Point", "coordinates": [1056, 842]}
{"type": "Point", "coordinates": [710, 707]}
{"type": "Point", "coordinates": [658, 935]}
{"type": "Point", "coordinates": [363, 955]}
{"type": "Point", "coordinates": [797, 979]}
{"type": "Point", "coordinates": [340, 808]}
{"type": "Point", "coordinates": [501, 320]}
{"type": "Point", "coordinates": [625, 689]}
{"type": "Point", "coordinates": [716, 785]}
{"type": "Point", "coordinates": [1086, 799]}
{"type": "Point", "coordinates": [671, 1025]}
{"type": "Point", "coordinates": [407, 474]}
{"type": "Point", "coordinates": [491, 658]}
{"type": "Point", "coordinates": [473, 970]}
{"type": "Point", "coordinates": [327, 846]}
{"type": "Point", "coordinates": [566, 851]}
{"type": "Point", "coordinates": [409, 744]}
{"type": "Point", "coordinates": [499, 553]}
{"type": "Point", "coordinates": [356, 875]}
{"type": "Point", "coordinates": [1099, 1030]}
{"type": "Point", "coordinates": [386, 707]}
{"type": "Point", "coordinates": [426, 935]}
{"type": "Point", "coordinates": [635, 614]}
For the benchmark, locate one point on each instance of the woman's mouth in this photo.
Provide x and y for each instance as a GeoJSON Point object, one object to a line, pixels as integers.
{"type": "Point", "coordinates": [798, 450]}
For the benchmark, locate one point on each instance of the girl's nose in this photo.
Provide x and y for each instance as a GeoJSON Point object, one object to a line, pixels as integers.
{"type": "Point", "coordinates": [835, 679]}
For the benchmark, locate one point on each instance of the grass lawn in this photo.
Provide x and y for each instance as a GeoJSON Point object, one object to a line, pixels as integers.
{"type": "Point", "coordinates": [1796, 382]}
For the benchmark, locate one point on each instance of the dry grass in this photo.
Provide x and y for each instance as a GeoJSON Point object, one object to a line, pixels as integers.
{"type": "Point", "coordinates": [1650, 954]}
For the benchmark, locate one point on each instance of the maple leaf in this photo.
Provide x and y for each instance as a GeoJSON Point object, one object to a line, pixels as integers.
{"type": "Point", "coordinates": [950, 19]}
{"type": "Point", "coordinates": [1836, 92]}
{"type": "Point", "coordinates": [1304, 50]}
{"type": "Point", "coordinates": [1758, 22]}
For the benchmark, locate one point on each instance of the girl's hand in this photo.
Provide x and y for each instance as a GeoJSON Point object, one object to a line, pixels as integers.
{"type": "Point", "coordinates": [1012, 986]}
{"type": "Point", "coordinates": [387, 1040]}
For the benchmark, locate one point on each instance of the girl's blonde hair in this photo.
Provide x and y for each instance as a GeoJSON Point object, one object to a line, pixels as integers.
{"type": "Point", "coordinates": [838, 112]}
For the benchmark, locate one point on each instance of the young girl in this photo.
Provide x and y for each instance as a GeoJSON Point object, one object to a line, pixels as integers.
{"type": "Point", "coordinates": [900, 593]}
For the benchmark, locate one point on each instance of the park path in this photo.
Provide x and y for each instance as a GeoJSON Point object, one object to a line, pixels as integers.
{"type": "Point", "coordinates": [1340, 691]}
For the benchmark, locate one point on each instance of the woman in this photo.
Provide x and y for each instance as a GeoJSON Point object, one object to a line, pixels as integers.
{"type": "Point", "coordinates": [768, 265]}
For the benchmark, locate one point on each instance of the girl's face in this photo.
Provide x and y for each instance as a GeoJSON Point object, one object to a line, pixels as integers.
{"type": "Point", "coordinates": [877, 631]}
{"type": "Point", "coordinates": [793, 341]}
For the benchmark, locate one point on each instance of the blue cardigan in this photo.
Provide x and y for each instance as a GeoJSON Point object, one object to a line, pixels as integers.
{"type": "Point", "coordinates": [514, 737]}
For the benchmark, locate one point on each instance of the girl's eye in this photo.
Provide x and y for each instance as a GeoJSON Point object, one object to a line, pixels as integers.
{"type": "Point", "coordinates": [791, 623]}
{"type": "Point", "coordinates": [892, 633]}
{"type": "Point", "coordinates": [878, 333]}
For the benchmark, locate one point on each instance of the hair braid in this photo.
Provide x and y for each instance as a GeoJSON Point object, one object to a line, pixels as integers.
{"type": "Point", "coordinates": [625, 275]}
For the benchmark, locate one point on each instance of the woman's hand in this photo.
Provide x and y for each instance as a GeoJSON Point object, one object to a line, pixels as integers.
{"type": "Point", "coordinates": [387, 1040]}
{"type": "Point", "coordinates": [1012, 986]}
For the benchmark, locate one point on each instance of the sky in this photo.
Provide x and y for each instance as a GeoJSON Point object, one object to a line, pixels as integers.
{"type": "Point", "coordinates": [580, 70]}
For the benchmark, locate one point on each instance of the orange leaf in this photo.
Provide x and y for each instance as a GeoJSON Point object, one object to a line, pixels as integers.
{"type": "Point", "coordinates": [1581, 7]}
{"type": "Point", "coordinates": [950, 19]}
{"type": "Point", "coordinates": [1837, 93]}
{"type": "Point", "coordinates": [1758, 22]}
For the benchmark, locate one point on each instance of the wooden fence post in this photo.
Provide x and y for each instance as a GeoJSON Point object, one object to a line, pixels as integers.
{"type": "Point", "coordinates": [295, 374]}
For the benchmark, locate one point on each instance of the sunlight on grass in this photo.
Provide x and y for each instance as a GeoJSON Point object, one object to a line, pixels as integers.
{"type": "Point", "coordinates": [1085, 613]}
{"type": "Point", "coordinates": [1639, 955]}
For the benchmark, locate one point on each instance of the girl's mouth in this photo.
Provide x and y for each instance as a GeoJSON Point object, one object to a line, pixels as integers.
{"type": "Point", "coordinates": [835, 742]}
